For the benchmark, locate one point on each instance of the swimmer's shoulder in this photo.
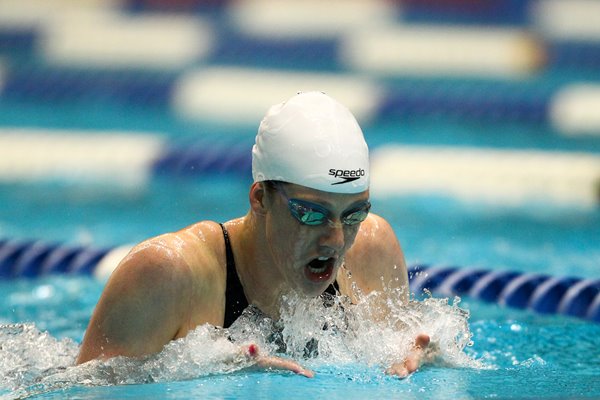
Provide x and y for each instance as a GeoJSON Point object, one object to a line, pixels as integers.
{"type": "Point", "coordinates": [189, 265]}
{"type": "Point", "coordinates": [375, 234]}
{"type": "Point", "coordinates": [375, 254]}
{"type": "Point", "coordinates": [203, 246]}
{"type": "Point", "coordinates": [190, 253]}
{"type": "Point", "coordinates": [368, 242]}
{"type": "Point", "coordinates": [198, 247]}
{"type": "Point", "coordinates": [155, 262]}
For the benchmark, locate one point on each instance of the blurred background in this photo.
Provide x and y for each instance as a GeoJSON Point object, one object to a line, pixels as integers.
{"type": "Point", "coordinates": [122, 119]}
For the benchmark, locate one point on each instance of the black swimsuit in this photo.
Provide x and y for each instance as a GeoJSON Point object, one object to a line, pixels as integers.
{"type": "Point", "coordinates": [235, 299]}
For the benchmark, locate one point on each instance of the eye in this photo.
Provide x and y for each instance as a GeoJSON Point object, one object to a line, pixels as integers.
{"type": "Point", "coordinates": [306, 213]}
{"type": "Point", "coordinates": [313, 218]}
{"type": "Point", "coordinates": [357, 216]}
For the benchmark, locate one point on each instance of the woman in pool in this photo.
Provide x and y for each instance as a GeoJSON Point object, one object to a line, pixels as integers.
{"type": "Point", "coordinates": [308, 225]}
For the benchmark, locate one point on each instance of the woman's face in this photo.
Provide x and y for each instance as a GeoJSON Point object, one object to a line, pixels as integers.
{"type": "Point", "coordinates": [309, 256]}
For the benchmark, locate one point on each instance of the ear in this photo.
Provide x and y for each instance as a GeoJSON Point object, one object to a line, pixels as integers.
{"type": "Point", "coordinates": [257, 198]}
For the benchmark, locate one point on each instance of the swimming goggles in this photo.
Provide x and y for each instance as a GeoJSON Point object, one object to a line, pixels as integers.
{"type": "Point", "coordinates": [309, 213]}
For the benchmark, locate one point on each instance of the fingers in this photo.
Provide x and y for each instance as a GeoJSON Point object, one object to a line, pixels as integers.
{"type": "Point", "coordinates": [398, 369]}
{"type": "Point", "coordinates": [283, 364]}
{"type": "Point", "coordinates": [422, 340]}
{"type": "Point", "coordinates": [269, 362]}
{"type": "Point", "coordinates": [401, 370]}
{"type": "Point", "coordinates": [252, 350]}
{"type": "Point", "coordinates": [413, 360]}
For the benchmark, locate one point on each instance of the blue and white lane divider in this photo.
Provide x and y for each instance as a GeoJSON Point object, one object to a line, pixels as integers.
{"type": "Point", "coordinates": [100, 51]}
{"type": "Point", "coordinates": [28, 259]}
{"type": "Point", "coordinates": [221, 93]}
{"type": "Point", "coordinates": [131, 160]}
{"type": "Point", "coordinates": [537, 292]}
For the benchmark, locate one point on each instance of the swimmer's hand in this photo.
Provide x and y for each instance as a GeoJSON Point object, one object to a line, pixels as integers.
{"type": "Point", "coordinates": [270, 362]}
{"type": "Point", "coordinates": [413, 360]}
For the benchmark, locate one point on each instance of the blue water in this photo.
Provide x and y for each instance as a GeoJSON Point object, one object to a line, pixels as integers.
{"type": "Point", "coordinates": [540, 356]}
{"type": "Point", "coordinates": [535, 238]}
{"type": "Point", "coordinates": [513, 353]}
{"type": "Point", "coordinates": [522, 355]}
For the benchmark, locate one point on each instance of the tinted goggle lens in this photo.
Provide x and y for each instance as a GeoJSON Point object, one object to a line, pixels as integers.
{"type": "Point", "coordinates": [308, 213]}
{"type": "Point", "coordinates": [357, 215]}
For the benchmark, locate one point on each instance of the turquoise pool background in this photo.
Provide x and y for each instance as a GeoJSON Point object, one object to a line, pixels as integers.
{"type": "Point", "coordinates": [534, 356]}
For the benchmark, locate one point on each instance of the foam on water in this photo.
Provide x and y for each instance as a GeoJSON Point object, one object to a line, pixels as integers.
{"type": "Point", "coordinates": [315, 334]}
{"type": "Point", "coordinates": [345, 333]}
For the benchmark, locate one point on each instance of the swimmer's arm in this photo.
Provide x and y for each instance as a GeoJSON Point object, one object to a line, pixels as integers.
{"type": "Point", "coordinates": [376, 261]}
{"type": "Point", "coordinates": [142, 307]}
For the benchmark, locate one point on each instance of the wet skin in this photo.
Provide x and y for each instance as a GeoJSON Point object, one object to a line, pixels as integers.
{"type": "Point", "coordinates": [170, 284]}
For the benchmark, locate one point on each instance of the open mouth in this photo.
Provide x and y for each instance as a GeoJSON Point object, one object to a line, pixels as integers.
{"type": "Point", "coordinates": [320, 269]}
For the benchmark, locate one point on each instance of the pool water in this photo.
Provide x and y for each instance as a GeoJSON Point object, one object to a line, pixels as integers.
{"type": "Point", "coordinates": [480, 350]}
{"type": "Point", "coordinates": [509, 353]}
{"type": "Point", "coordinates": [540, 356]}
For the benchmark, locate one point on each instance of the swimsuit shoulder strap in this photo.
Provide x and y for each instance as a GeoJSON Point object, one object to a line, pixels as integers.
{"type": "Point", "coordinates": [235, 299]}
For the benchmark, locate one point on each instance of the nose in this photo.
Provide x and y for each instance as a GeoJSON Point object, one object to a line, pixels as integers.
{"type": "Point", "coordinates": [333, 236]}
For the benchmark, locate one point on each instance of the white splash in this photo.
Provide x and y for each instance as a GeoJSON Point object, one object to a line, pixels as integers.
{"type": "Point", "coordinates": [310, 332]}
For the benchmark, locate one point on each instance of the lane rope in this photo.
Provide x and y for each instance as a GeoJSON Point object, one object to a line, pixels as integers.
{"type": "Point", "coordinates": [544, 294]}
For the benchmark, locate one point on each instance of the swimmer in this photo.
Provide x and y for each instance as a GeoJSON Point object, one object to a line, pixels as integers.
{"type": "Point", "coordinates": [308, 229]}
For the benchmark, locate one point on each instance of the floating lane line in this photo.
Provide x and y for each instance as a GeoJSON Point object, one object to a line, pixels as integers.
{"type": "Point", "coordinates": [118, 159]}
{"type": "Point", "coordinates": [424, 50]}
{"type": "Point", "coordinates": [309, 18]}
{"type": "Point", "coordinates": [567, 20]}
{"type": "Point", "coordinates": [575, 109]}
{"type": "Point", "coordinates": [508, 177]}
{"type": "Point", "coordinates": [117, 40]}
{"type": "Point", "coordinates": [239, 95]}
{"type": "Point", "coordinates": [34, 13]}
{"type": "Point", "coordinates": [581, 297]}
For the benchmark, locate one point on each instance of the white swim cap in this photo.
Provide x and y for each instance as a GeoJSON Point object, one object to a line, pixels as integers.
{"type": "Point", "coordinates": [314, 141]}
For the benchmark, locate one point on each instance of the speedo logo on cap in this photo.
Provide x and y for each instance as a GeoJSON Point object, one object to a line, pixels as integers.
{"type": "Point", "coordinates": [347, 175]}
